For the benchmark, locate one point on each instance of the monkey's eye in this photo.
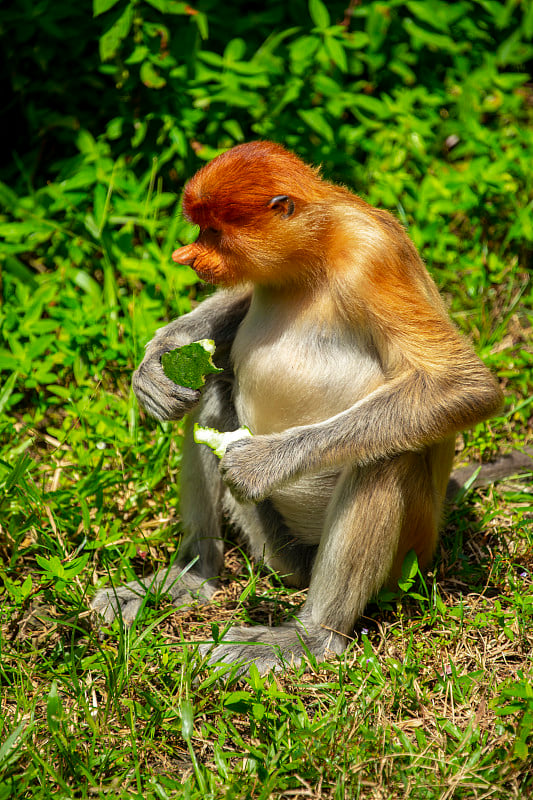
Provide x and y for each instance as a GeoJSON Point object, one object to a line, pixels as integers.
{"type": "Point", "coordinates": [212, 230]}
{"type": "Point", "coordinates": [284, 203]}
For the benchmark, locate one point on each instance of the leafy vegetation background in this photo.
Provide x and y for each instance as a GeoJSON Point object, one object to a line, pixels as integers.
{"type": "Point", "coordinates": [422, 107]}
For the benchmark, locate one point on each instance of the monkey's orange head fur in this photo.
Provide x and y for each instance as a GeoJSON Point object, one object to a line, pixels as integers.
{"type": "Point", "coordinates": [250, 205]}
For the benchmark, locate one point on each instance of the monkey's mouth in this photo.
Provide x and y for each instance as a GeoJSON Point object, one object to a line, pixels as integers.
{"type": "Point", "coordinates": [190, 256]}
{"type": "Point", "coordinates": [204, 274]}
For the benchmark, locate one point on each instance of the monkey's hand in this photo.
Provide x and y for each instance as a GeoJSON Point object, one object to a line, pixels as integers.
{"type": "Point", "coordinates": [273, 649]}
{"type": "Point", "coordinates": [162, 398]}
{"type": "Point", "coordinates": [253, 468]}
{"type": "Point", "coordinates": [217, 318]}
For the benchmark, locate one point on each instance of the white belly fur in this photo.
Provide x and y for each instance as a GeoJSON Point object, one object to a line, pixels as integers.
{"type": "Point", "coordinates": [298, 373]}
{"type": "Point", "coordinates": [303, 504]}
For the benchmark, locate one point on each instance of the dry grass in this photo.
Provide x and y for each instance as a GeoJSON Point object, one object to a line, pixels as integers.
{"type": "Point", "coordinates": [417, 707]}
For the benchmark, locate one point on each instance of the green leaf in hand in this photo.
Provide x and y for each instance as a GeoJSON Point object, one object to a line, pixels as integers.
{"type": "Point", "coordinates": [188, 365]}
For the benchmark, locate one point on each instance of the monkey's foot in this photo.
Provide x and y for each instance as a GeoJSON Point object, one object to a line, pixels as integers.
{"type": "Point", "coordinates": [273, 649]}
{"type": "Point", "coordinates": [124, 602]}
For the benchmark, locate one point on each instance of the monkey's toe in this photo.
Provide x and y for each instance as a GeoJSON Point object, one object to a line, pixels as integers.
{"type": "Point", "coordinates": [121, 602]}
{"type": "Point", "coordinates": [273, 649]}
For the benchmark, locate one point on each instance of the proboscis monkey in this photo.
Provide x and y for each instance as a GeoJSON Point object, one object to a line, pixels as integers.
{"type": "Point", "coordinates": [341, 359]}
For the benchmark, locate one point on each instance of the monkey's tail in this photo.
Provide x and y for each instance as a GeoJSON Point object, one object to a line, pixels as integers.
{"type": "Point", "coordinates": [512, 463]}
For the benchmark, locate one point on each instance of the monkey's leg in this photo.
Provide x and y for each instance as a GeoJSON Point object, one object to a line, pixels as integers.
{"type": "Point", "coordinates": [271, 542]}
{"type": "Point", "coordinates": [377, 514]}
{"type": "Point", "coordinates": [371, 512]}
{"type": "Point", "coordinates": [192, 576]}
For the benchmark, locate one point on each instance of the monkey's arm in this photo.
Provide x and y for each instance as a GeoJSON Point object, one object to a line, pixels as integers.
{"type": "Point", "coordinates": [216, 318]}
{"type": "Point", "coordinates": [406, 414]}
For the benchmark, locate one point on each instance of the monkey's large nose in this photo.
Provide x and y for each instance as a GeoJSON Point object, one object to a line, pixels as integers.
{"type": "Point", "coordinates": [185, 255]}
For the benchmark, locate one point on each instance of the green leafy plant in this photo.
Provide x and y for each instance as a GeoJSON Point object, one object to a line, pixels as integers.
{"type": "Point", "coordinates": [518, 699]}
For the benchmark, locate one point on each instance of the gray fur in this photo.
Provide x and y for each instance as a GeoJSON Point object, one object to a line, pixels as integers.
{"type": "Point", "coordinates": [324, 504]}
{"type": "Point", "coordinates": [274, 649]}
{"type": "Point", "coordinates": [201, 487]}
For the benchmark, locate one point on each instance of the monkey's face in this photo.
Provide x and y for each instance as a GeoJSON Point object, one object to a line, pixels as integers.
{"type": "Point", "coordinates": [252, 206]}
{"type": "Point", "coordinates": [219, 255]}
{"type": "Point", "coordinates": [229, 255]}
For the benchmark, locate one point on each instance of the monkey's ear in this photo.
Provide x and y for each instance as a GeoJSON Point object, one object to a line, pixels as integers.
{"type": "Point", "coordinates": [284, 204]}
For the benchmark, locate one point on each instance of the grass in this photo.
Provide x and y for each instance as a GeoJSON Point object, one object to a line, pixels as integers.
{"type": "Point", "coordinates": [424, 108]}
{"type": "Point", "coordinates": [434, 699]}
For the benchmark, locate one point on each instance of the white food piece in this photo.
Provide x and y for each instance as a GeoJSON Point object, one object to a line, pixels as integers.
{"type": "Point", "coordinates": [217, 441]}
{"type": "Point", "coordinates": [208, 345]}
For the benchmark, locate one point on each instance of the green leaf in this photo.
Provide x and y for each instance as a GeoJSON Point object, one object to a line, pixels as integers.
{"type": "Point", "coordinates": [110, 41]}
{"type": "Point", "coordinates": [440, 15]}
{"type": "Point", "coordinates": [19, 270]}
{"type": "Point", "coordinates": [336, 52]}
{"type": "Point", "coordinates": [357, 40]}
{"type": "Point", "coordinates": [54, 709]}
{"type": "Point", "coordinates": [26, 587]}
{"type": "Point", "coordinates": [22, 465]}
{"type": "Point", "coordinates": [314, 118]}
{"type": "Point", "coordinates": [150, 76]}
{"type": "Point", "coordinates": [12, 744]}
{"type": "Point", "coordinates": [161, 5]}
{"type": "Point", "coordinates": [188, 365]}
{"type": "Point", "coordinates": [235, 50]}
{"type": "Point", "coordinates": [409, 571]}
{"type": "Point", "coordinates": [187, 720]}
{"type": "Point", "coordinates": [139, 54]}
{"type": "Point", "coordinates": [234, 129]}
{"type": "Point", "coordinates": [173, 7]}
{"type": "Point", "coordinates": [303, 48]}
{"type": "Point", "coordinates": [239, 702]}
{"type": "Point", "coordinates": [22, 231]}
{"type": "Point", "coordinates": [435, 41]}
{"type": "Point", "coordinates": [319, 14]}
{"type": "Point", "coordinates": [201, 22]}
{"type": "Point", "coordinates": [8, 198]}
{"type": "Point", "coordinates": [214, 59]}
{"type": "Point", "coordinates": [101, 6]}
{"type": "Point", "coordinates": [7, 389]}
{"type": "Point", "coordinates": [371, 104]}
